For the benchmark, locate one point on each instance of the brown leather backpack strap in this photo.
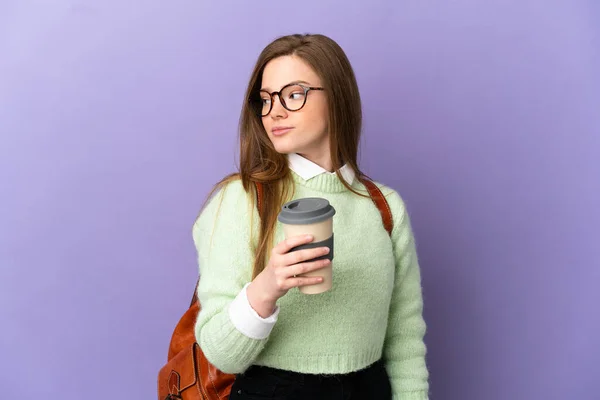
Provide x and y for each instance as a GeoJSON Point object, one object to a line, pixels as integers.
{"type": "Point", "coordinates": [381, 203]}
{"type": "Point", "coordinates": [259, 192]}
{"type": "Point", "coordinates": [259, 196]}
{"type": "Point", "coordinates": [195, 296]}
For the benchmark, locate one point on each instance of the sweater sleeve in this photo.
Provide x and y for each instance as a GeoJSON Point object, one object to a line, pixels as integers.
{"type": "Point", "coordinates": [222, 236]}
{"type": "Point", "coordinates": [404, 348]}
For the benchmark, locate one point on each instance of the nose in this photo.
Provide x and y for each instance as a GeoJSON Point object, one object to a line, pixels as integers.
{"type": "Point", "coordinates": [278, 111]}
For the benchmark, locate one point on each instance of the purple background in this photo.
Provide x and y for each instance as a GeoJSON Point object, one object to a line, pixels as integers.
{"type": "Point", "coordinates": [116, 117]}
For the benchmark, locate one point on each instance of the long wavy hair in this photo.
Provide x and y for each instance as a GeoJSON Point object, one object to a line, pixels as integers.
{"type": "Point", "coordinates": [260, 162]}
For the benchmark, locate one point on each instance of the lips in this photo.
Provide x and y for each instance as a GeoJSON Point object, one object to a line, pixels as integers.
{"type": "Point", "coordinates": [281, 130]}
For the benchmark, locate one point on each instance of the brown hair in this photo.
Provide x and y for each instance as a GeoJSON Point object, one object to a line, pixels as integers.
{"type": "Point", "coordinates": [260, 162]}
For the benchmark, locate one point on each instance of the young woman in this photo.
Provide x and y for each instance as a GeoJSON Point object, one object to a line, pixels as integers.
{"type": "Point", "coordinates": [363, 339]}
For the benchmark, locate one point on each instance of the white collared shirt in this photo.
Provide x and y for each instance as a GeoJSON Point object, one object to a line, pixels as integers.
{"type": "Point", "coordinates": [307, 169]}
{"type": "Point", "coordinates": [242, 315]}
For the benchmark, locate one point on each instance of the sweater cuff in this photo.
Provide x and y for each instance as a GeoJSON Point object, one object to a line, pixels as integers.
{"type": "Point", "coordinates": [246, 319]}
{"type": "Point", "coordinates": [411, 396]}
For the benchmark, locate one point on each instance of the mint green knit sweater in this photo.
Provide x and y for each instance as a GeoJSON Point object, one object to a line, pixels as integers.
{"type": "Point", "coordinates": [374, 309]}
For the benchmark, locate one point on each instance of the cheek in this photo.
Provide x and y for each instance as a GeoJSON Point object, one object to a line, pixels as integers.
{"type": "Point", "coordinates": [266, 124]}
{"type": "Point", "coordinates": [319, 126]}
{"type": "Point", "coordinates": [316, 116]}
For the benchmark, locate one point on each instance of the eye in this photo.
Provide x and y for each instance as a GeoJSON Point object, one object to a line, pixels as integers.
{"type": "Point", "coordinates": [296, 95]}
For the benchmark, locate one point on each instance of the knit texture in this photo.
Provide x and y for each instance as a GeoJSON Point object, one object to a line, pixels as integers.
{"type": "Point", "coordinates": [374, 309]}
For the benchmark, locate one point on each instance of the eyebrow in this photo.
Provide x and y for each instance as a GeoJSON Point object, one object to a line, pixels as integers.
{"type": "Point", "coordinates": [290, 83]}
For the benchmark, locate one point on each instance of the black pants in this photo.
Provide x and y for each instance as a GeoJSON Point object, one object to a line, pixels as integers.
{"type": "Point", "coordinates": [269, 383]}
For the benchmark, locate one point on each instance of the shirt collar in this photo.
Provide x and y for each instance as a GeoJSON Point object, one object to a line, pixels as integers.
{"type": "Point", "coordinates": [307, 169]}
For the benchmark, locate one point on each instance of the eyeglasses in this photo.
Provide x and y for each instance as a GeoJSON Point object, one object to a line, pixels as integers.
{"type": "Point", "coordinates": [292, 97]}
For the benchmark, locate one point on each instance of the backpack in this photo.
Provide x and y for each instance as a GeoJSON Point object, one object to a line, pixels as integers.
{"type": "Point", "coordinates": [188, 375]}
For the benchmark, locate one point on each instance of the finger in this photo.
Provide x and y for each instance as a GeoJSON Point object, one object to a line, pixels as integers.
{"type": "Point", "coordinates": [303, 268]}
{"type": "Point", "coordinates": [302, 281]}
{"type": "Point", "coordinates": [291, 242]}
{"type": "Point", "coordinates": [299, 256]}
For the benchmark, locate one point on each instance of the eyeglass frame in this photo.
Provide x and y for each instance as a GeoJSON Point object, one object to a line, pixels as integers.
{"type": "Point", "coordinates": [282, 101]}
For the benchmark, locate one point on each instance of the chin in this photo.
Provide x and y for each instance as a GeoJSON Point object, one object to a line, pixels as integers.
{"type": "Point", "coordinates": [286, 150]}
{"type": "Point", "coordinates": [282, 147]}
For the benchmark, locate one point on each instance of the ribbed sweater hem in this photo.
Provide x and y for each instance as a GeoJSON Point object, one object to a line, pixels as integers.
{"type": "Point", "coordinates": [321, 363]}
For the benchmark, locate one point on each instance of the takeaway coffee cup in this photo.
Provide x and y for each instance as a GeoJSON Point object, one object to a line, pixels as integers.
{"type": "Point", "coordinates": [314, 216]}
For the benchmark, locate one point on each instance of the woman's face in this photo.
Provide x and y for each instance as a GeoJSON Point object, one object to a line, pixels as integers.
{"type": "Point", "coordinates": [304, 131]}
